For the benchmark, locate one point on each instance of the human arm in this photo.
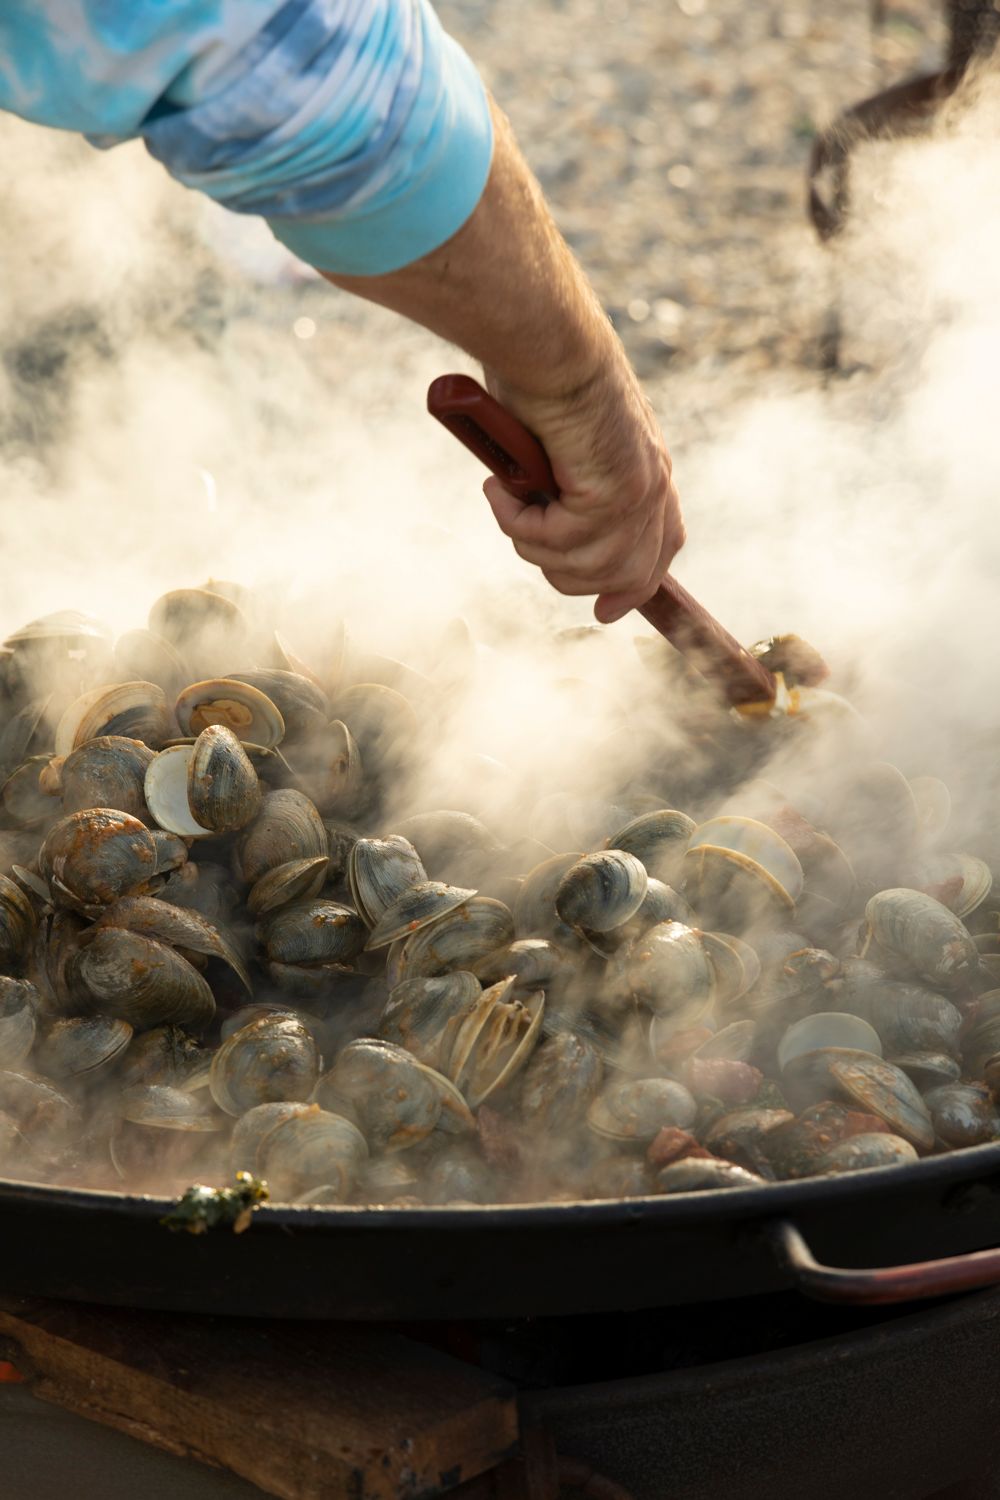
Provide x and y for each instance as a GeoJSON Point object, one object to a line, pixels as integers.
{"type": "Point", "coordinates": [506, 289]}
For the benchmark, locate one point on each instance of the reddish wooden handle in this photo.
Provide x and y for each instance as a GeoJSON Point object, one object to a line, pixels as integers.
{"type": "Point", "coordinates": [922, 1278]}
{"type": "Point", "coordinates": [516, 456]}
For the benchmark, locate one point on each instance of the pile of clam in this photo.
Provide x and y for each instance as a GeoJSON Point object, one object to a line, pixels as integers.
{"type": "Point", "coordinates": [226, 943]}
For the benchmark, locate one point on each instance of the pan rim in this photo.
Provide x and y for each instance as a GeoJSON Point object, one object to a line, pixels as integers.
{"type": "Point", "coordinates": [951, 1169]}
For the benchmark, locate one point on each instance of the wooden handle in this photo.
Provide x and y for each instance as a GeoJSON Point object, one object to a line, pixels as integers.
{"type": "Point", "coordinates": [923, 1278]}
{"type": "Point", "coordinates": [516, 457]}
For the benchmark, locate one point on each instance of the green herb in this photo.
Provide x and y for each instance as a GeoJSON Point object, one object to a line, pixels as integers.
{"type": "Point", "coordinates": [202, 1208]}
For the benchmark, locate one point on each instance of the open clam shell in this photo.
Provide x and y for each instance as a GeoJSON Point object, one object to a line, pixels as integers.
{"type": "Point", "coordinates": [379, 871]}
{"type": "Point", "coordinates": [419, 1014]}
{"type": "Point", "coordinates": [166, 788]}
{"type": "Point", "coordinates": [459, 940]}
{"type": "Point", "coordinates": [288, 827]}
{"type": "Point", "coordinates": [725, 849]}
{"type": "Point", "coordinates": [160, 1106]}
{"type": "Point", "coordinates": [417, 907]}
{"type": "Point", "coordinates": [299, 879]}
{"type": "Point", "coordinates": [961, 882]}
{"type": "Point", "coordinates": [493, 1040]}
{"type": "Point", "coordinates": [133, 710]}
{"type": "Point", "coordinates": [659, 839]}
{"type": "Point", "coordinates": [206, 628]}
{"type": "Point", "coordinates": [637, 1109]}
{"type": "Point", "coordinates": [238, 706]}
{"type": "Point", "coordinates": [143, 981]}
{"type": "Point", "coordinates": [825, 1029]}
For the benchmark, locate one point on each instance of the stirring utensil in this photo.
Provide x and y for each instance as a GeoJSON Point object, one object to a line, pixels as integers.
{"type": "Point", "coordinates": [517, 458]}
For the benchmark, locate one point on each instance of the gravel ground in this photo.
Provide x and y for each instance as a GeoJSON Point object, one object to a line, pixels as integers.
{"type": "Point", "coordinates": [672, 140]}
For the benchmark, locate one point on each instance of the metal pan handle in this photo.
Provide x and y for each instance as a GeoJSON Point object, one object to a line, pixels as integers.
{"type": "Point", "coordinates": [922, 1278]}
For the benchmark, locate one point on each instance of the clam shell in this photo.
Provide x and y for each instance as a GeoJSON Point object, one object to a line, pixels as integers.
{"type": "Point", "coordinates": [251, 1128]}
{"type": "Point", "coordinates": [379, 871]}
{"type": "Point", "coordinates": [417, 907]}
{"type": "Point", "coordinates": [160, 1106]}
{"type": "Point", "coordinates": [204, 627]}
{"type": "Point", "coordinates": [860, 1152]}
{"type": "Point", "coordinates": [131, 710]}
{"type": "Point", "coordinates": [77, 1045]}
{"type": "Point", "coordinates": [302, 703]}
{"type": "Point", "coordinates": [669, 971]}
{"type": "Point", "coordinates": [601, 891]}
{"type": "Point", "coordinates": [223, 791]}
{"type": "Point", "coordinates": [288, 827]}
{"type": "Point", "coordinates": [97, 855]}
{"type": "Point", "coordinates": [419, 1014]}
{"type": "Point", "coordinates": [315, 931]}
{"type": "Point", "coordinates": [535, 906]}
{"type": "Point", "coordinates": [659, 839]}
{"type": "Point", "coordinates": [108, 771]}
{"type": "Point", "coordinates": [493, 1040]}
{"type": "Point", "coordinates": [883, 1090]}
{"type": "Point", "coordinates": [722, 845]}
{"type": "Point", "coordinates": [309, 1150]}
{"type": "Point", "coordinates": [268, 1061]}
{"type": "Point", "coordinates": [701, 1175]}
{"type": "Point", "coordinates": [639, 1108]}
{"type": "Point", "coordinates": [237, 706]}
{"type": "Point", "coordinates": [921, 935]}
{"type": "Point", "coordinates": [143, 982]}
{"type": "Point", "coordinates": [459, 940]}
{"type": "Point", "coordinates": [299, 879]}
{"type": "Point", "coordinates": [826, 1029]}
{"type": "Point", "coordinates": [177, 926]}
{"type": "Point", "coordinates": [166, 788]}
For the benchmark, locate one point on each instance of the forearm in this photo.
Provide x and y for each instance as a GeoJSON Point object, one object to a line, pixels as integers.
{"type": "Point", "coordinates": [505, 288]}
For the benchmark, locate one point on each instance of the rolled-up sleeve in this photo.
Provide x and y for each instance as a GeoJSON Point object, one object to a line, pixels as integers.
{"type": "Point", "coordinates": [357, 128]}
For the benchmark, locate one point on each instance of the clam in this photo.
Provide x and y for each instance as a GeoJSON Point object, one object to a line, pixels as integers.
{"type": "Point", "coordinates": [927, 1070]}
{"type": "Point", "coordinates": [734, 1042]}
{"type": "Point", "coordinates": [639, 1108]}
{"type": "Point", "coordinates": [959, 881]}
{"type": "Point", "coordinates": [332, 771]}
{"type": "Point", "coordinates": [448, 840]}
{"type": "Point", "coordinates": [270, 1060]}
{"type": "Point", "coordinates": [130, 710]}
{"type": "Point", "coordinates": [735, 965]}
{"type": "Point", "coordinates": [493, 1038]}
{"type": "Point", "coordinates": [535, 907]}
{"type": "Point", "coordinates": [79, 1046]}
{"type": "Point", "coordinates": [316, 931]}
{"type": "Point", "coordinates": [313, 1149]}
{"type": "Point", "coordinates": [108, 771]}
{"type": "Point", "coordinates": [143, 982]}
{"type": "Point", "coordinates": [19, 1003]}
{"type": "Point", "coordinates": [908, 1017]}
{"type": "Point", "coordinates": [237, 706]}
{"type": "Point", "coordinates": [251, 1128]}
{"type": "Point", "coordinates": [178, 926]}
{"type": "Point", "coordinates": [45, 1116]}
{"type": "Point", "coordinates": [601, 891]}
{"type": "Point", "coordinates": [160, 1106]}
{"type": "Point", "coordinates": [67, 627]}
{"type": "Point", "coordinates": [964, 1114]}
{"type": "Point", "coordinates": [419, 1014]}
{"type": "Point", "coordinates": [459, 1175]}
{"type": "Point", "coordinates": [17, 925]}
{"type": "Point", "coordinates": [459, 940]}
{"type": "Point", "coordinates": [166, 790]}
{"type": "Point", "coordinates": [921, 936]}
{"type": "Point", "coordinates": [859, 1152]}
{"type": "Point", "coordinates": [287, 827]}
{"type": "Point", "coordinates": [25, 803]}
{"type": "Point", "coordinates": [701, 1175]}
{"type": "Point", "coordinates": [417, 907]}
{"type": "Point", "coordinates": [205, 628]}
{"type": "Point", "coordinates": [880, 1089]}
{"type": "Point", "coordinates": [659, 839]}
{"type": "Point", "coordinates": [301, 702]}
{"type": "Point", "coordinates": [825, 1029]}
{"type": "Point", "coordinates": [21, 734]}
{"type": "Point", "coordinates": [379, 871]}
{"type": "Point", "coordinates": [95, 856]}
{"type": "Point", "coordinates": [382, 722]}
{"type": "Point", "coordinates": [933, 801]}
{"type": "Point", "coordinates": [223, 791]}
{"type": "Point", "coordinates": [536, 963]}
{"type": "Point", "coordinates": [559, 1083]}
{"type": "Point", "coordinates": [668, 970]}
{"type": "Point", "coordinates": [736, 868]}
{"type": "Point", "coordinates": [167, 1055]}
{"type": "Point", "coordinates": [396, 1100]}
{"type": "Point", "coordinates": [740, 1136]}
{"type": "Point", "coordinates": [299, 879]}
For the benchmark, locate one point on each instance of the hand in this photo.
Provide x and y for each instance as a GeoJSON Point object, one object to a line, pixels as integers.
{"type": "Point", "coordinates": [617, 524]}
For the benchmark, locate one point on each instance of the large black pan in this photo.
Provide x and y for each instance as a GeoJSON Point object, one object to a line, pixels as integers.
{"type": "Point", "coordinates": [416, 1263]}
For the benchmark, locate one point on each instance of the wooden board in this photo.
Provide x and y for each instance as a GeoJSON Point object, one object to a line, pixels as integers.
{"type": "Point", "coordinates": [324, 1412]}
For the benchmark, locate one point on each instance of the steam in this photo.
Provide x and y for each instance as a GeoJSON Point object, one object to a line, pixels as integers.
{"type": "Point", "coordinates": [182, 400]}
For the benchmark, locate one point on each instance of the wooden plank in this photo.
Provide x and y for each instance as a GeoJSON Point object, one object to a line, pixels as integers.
{"type": "Point", "coordinates": [306, 1412]}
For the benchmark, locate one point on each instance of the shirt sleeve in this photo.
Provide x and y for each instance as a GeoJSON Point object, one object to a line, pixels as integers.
{"type": "Point", "coordinates": [357, 128]}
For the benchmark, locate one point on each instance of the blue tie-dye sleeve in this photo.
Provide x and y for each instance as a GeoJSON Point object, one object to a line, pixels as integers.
{"type": "Point", "coordinates": [357, 128]}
